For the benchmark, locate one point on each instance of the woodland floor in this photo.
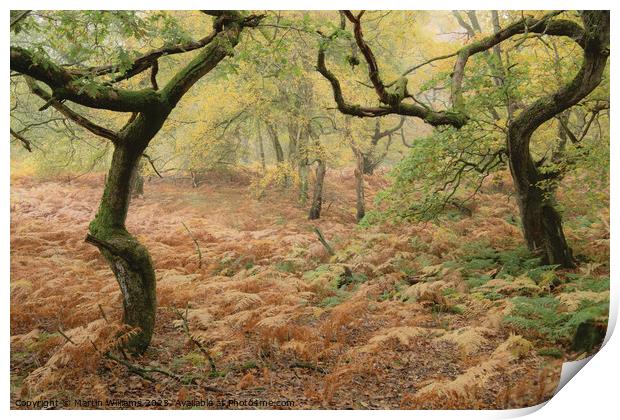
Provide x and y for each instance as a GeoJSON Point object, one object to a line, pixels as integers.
{"type": "Point", "coordinates": [422, 324]}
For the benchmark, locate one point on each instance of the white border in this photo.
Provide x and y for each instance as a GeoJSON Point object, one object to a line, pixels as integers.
{"type": "Point", "coordinates": [592, 395]}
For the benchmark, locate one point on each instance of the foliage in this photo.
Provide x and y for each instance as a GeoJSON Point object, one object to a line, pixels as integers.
{"type": "Point", "coordinates": [542, 317]}
{"type": "Point", "coordinates": [440, 278]}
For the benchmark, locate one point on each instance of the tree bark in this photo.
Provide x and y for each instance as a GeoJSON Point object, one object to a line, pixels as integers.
{"type": "Point", "coordinates": [542, 224]}
{"type": "Point", "coordinates": [542, 227]}
{"type": "Point", "coordinates": [317, 197]}
{"type": "Point", "coordinates": [261, 148]}
{"type": "Point", "coordinates": [137, 181]}
{"type": "Point", "coordinates": [360, 205]}
{"type": "Point", "coordinates": [128, 258]}
{"type": "Point", "coordinates": [275, 141]}
{"type": "Point", "coordinates": [303, 182]}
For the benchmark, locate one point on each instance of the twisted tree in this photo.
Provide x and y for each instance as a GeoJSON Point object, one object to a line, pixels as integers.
{"type": "Point", "coordinates": [541, 222]}
{"type": "Point", "coordinates": [150, 107]}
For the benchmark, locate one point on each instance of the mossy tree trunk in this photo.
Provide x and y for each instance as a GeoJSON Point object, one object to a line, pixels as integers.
{"type": "Point", "coordinates": [542, 223]}
{"type": "Point", "coordinates": [137, 180]}
{"type": "Point", "coordinates": [128, 258]}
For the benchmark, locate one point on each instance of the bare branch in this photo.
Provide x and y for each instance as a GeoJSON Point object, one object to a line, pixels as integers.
{"type": "Point", "coordinates": [24, 141]}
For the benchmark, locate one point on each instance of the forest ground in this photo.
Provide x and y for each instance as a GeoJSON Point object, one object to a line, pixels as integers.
{"type": "Point", "coordinates": [433, 317]}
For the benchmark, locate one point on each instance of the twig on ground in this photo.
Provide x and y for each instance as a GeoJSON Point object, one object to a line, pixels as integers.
{"type": "Point", "coordinates": [191, 235]}
{"type": "Point", "coordinates": [103, 315]}
{"type": "Point", "coordinates": [324, 242]}
{"type": "Point", "coordinates": [66, 337]}
{"type": "Point", "coordinates": [194, 341]}
{"type": "Point", "coordinates": [307, 365]}
{"type": "Point", "coordinates": [347, 276]}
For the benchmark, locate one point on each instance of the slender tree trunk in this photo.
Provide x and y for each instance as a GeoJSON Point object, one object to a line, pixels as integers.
{"type": "Point", "coordinates": [317, 197]}
{"type": "Point", "coordinates": [279, 152]}
{"type": "Point", "coordinates": [128, 258]}
{"type": "Point", "coordinates": [303, 182]}
{"type": "Point", "coordinates": [275, 141]}
{"type": "Point", "coordinates": [302, 163]}
{"type": "Point", "coordinates": [194, 179]}
{"type": "Point", "coordinates": [261, 148]}
{"type": "Point", "coordinates": [293, 137]}
{"type": "Point", "coordinates": [360, 205]}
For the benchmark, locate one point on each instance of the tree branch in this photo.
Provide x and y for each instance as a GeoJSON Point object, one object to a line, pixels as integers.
{"type": "Point", "coordinates": [72, 115]}
{"type": "Point", "coordinates": [544, 25]}
{"type": "Point", "coordinates": [66, 85]}
{"type": "Point", "coordinates": [431, 117]}
{"type": "Point", "coordinates": [24, 141]}
{"type": "Point", "coordinates": [152, 163]}
{"type": "Point", "coordinates": [373, 68]}
{"type": "Point", "coordinates": [229, 26]}
{"type": "Point", "coordinates": [595, 43]}
{"type": "Point", "coordinates": [145, 61]}
{"type": "Point", "coordinates": [20, 15]}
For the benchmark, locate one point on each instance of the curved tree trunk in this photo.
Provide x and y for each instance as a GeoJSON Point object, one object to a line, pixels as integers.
{"type": "Point", "coordinates": [128, 258]}
{"type": "Point", "coordinates": [542, 224]}
{"type": "Point", "coordinates": [317, 197]}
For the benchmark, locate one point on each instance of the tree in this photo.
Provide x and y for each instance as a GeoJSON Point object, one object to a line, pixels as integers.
{"type": "Point", "coordinates": [542, 225]}
{"type": "Point", "coordinates": [150, 107]}
{"type": "Point", "coordinates": [317, 196]}
{"type": "Point", "coordinates": [370, 159]}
